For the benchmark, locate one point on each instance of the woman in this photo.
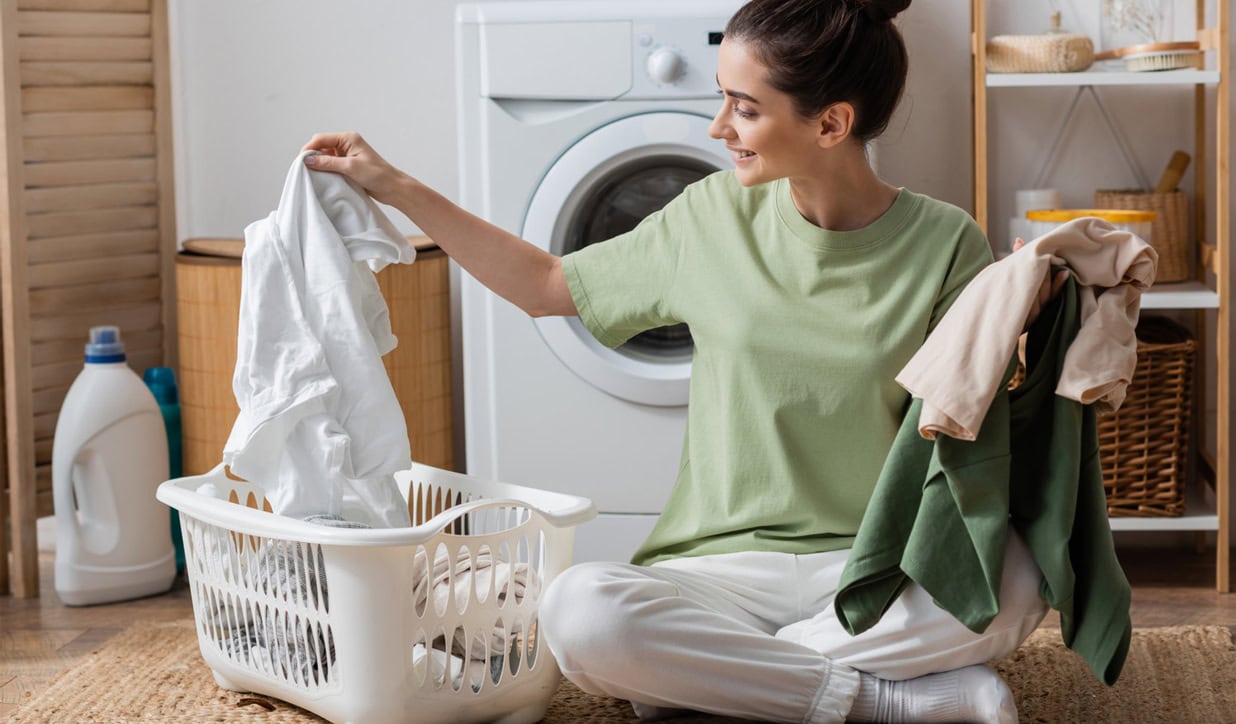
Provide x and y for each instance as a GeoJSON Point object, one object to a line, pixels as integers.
{"type": "Point", "coordinates": [807, 282]}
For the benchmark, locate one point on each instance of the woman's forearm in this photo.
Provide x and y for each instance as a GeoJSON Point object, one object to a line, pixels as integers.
{"type": "Point", "coordinates": [523, 274]}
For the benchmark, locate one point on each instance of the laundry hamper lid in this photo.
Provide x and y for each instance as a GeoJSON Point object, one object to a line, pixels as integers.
{"type": "Point", "coordinates": [228, 248]}
{"type": "Point", "coordinates": [234, 248]}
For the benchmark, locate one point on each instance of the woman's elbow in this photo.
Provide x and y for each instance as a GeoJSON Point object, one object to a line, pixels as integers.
{"type": "Point", "coordinates": [555, 297]}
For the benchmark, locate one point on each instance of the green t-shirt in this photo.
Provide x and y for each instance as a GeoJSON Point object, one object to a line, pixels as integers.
{"type": "Point", "coordinates": [798, 334]}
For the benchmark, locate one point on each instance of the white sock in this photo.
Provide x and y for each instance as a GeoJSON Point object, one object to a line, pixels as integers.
{"type": "Point", "coordinates": [973, 694]}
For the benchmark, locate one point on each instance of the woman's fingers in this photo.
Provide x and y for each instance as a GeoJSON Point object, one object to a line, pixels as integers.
{"type": "Point", "coordinates": [1062, 276]}
{"type": "Point", "coordinates": [336, 144]}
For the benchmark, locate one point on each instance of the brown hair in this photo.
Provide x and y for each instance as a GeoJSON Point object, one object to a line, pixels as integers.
{"type": "Point", "coordinates": [822, 52]}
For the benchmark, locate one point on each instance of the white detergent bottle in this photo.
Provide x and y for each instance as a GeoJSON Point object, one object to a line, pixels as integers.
{"type": "Point", "coordinates": [109, 454]}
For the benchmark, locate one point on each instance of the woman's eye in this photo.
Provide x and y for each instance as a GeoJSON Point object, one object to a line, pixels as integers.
{"type": "Point", "coordinates": [742, 112]}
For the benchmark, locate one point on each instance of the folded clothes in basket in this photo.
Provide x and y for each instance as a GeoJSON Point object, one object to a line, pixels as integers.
{"type": "Point", "coordinates": [299, 649]}
{"type": "Point", "coordinates": [471, 576]}
{"type": "Point", "coordinates": [289, 647]}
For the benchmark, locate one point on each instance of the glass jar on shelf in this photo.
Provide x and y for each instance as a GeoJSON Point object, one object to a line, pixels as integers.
{"type": "Point", "coordinates": [1135, 22]}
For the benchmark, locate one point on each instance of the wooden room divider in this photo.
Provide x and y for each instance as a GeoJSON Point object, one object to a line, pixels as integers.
{"type": "Point", "coordinates": [87, 222]}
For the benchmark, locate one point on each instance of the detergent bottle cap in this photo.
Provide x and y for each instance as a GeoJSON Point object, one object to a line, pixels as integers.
{"type": "Point", "coordinates": [105, 345]}
{"type": "Point", "coordinates": [162, 383]}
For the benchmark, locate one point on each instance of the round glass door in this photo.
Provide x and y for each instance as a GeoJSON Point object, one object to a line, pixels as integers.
{"type": "Point", "coordinates": [603, 186]}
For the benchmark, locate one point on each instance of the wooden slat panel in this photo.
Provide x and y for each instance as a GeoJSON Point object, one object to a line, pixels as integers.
{"type": "Point", "coordinates": [91, 147]}
{"type": "Point", "coordinates": [93, 98]}
{"type": "Point", "coordinates": [53, 300]}
{"type": "Point", "coordinates": [71, 23]}
{"type": "Point", "coordinates": [62, 374]}
{"type": "Point", "coordinates": [41, 49]}
{"type": "Point", "coordinates": [84, 122]}
{"type": "Point", "coordinates": [92, 196]}
{"type": "Point", "coordinates": [14, 310]}
{"type": "Point", "coordinates": [49, 400]}
{"type": "Point", "coordinates": [76, 73]}
{"type": "Point", "coordinates": [44, 503]}
{"type": "Point", "coordinates": [72, 326]}
{"type": "Point", "coordinates": [68, 274]}
{"type": "Point", "coordinates": [71, 223]}
{"type": "Point", "coordinates": [72, 173]}
{"type": "Point", "coordinates": [43, 477]}
{"type": "Point", "coordinates": [160, 48]}
{"type": "Point", "coordinates": [68, 350]}
{"type": "Point", "coordinates": [43, 448]}
{"type": "Point", "coordinates": [56, 374]}
{"type": "Point", "coordinates": [92, 246]}
{"type": "Point", "coordinates": [121, 6]}
{"type": "Point", "coordinates": [45, 424]}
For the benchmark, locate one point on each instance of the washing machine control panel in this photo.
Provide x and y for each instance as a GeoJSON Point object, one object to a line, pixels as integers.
{"type": "Point", "coordinates": [675, 58]}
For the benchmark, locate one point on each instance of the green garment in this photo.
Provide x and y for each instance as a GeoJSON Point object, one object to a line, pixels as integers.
{"type": "Point", "coordinates": [798, 334]}
{"type": "Point", "coordinates": [941, 510]}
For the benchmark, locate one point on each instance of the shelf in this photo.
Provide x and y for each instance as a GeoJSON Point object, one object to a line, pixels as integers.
{"type": "Point", "coordinates": [1181, 295]}
{"type": "Point", "coordinates": [1187, 76]}
{"type": "Point", "coordinates": [1199, 515]}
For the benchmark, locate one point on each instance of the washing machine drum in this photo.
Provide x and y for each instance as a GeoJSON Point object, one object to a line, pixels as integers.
{"type": "Point", "coordinates": [604, 186]}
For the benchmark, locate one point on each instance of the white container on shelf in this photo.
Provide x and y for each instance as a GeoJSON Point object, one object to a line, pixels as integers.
{"type": "Point", "coordinates": [1044, 220]}
{"type": "Point", "coordinates": [1026, 200]}
{"type": "Point", "coordinates": [109, 456]}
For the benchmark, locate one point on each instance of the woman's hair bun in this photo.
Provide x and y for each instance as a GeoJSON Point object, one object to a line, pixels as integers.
{"type": "Point", "coordinates": [882, 10]}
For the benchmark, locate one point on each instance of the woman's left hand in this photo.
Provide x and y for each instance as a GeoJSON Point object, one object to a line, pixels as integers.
{"type": "Point", "coordinates": [1051, 286]}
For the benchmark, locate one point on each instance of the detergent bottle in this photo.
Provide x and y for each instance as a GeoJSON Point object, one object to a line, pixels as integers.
{"type": "Point", "coordinates": [109, 454]}
{"type": "Point", "coordinates": [162, 383]}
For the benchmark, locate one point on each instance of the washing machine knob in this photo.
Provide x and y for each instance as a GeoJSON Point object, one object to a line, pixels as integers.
{"type": "Point", "coordinates": [665, 65]}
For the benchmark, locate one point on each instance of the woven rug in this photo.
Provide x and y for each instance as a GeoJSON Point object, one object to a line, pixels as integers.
{"type": "Point", "coordinates": [153, 672]}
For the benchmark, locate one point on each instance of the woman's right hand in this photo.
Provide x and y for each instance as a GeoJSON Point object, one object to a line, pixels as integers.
{"type": "Point", "coordinates": [348, 154]}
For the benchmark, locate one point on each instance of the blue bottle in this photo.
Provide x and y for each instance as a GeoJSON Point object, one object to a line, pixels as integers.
{"type": "Point", "coordinates": [162, 382]}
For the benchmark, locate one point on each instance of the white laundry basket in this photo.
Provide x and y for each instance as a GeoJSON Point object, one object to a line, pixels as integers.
{"type": "Point", "coordinates": [329, 618]}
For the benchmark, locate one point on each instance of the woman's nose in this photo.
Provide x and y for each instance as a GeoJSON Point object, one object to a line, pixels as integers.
{"type": "Point", "coordinates": [719, 128]}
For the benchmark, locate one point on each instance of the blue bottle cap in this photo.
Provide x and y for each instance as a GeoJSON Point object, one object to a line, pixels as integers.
{"type": "Point", "coordinates": [162, 382]}
{"type": "Point", "coordinates": [105, 345]}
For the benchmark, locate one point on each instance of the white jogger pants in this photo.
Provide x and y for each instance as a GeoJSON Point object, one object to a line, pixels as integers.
{"type": "Point", "coordinates": [754, 635]}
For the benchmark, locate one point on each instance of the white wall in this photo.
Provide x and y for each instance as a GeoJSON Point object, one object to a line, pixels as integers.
{"type": "Point", "coordinates": [253, 81]}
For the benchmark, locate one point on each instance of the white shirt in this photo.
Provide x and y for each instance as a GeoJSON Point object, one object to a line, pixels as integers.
{"type": "Point", "coordinates": [320, 429]}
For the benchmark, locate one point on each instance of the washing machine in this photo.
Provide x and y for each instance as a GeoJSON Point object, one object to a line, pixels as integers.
{"type": "Point", "coordinates": [577, 120]}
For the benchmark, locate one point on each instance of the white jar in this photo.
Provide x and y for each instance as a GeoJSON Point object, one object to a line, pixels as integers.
{"type": "Point", "coordinates": [1139, 222]}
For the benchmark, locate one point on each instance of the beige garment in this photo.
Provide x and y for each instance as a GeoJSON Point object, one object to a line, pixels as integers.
{"type": "Point", "coordinates": [957, 370]}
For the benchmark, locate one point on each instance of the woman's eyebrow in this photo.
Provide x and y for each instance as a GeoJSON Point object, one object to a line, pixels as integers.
{"type": "Point", "coordinates": [737, 94]}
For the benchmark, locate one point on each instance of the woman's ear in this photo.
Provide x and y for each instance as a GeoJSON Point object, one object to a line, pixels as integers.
{"type": "Point", "coordinates": [835, 124]}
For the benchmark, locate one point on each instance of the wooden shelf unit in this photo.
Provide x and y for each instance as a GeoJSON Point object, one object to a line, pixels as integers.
{"type": "Point", "coordinates": [1205, 511]}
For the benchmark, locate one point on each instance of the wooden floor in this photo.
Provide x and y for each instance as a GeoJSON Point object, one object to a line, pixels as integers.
{"type": "Point", "coordinates": [39, 638]}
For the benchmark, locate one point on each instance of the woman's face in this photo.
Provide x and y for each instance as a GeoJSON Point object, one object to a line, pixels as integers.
{"type": "Point", "coordinates": [767, 137]}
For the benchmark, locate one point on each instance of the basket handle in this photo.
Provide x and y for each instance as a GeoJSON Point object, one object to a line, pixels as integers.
{"type": "Point", "coordinates": [444, 519]}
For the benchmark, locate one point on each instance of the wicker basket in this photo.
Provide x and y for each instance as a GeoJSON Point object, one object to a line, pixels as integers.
{"type": "Point", "coordinates": [1143, 446]}
{"type": "Point", "coordinates": [1169, 232]}
{"type": "Point", "coordinates": [208, 301]}
{"type": "Point", "coordinates": [1043, 53]}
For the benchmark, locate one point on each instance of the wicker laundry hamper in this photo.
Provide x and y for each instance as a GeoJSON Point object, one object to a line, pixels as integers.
{"type": "Point", "coordinates": [1169, 232]}
{"type": "Point", "coordinates": [1144, 445]}
{"type": "Point", "coordinates": [208, 276]}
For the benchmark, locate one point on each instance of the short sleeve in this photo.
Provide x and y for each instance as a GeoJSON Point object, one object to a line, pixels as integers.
{"type": "Point", "coordinates": [970, 255]}
{"type": "Point", "coordinates": [624, 286]}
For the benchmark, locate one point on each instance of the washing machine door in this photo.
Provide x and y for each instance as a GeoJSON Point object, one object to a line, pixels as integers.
{"type": "Point", "coordinates": [601, 187]}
